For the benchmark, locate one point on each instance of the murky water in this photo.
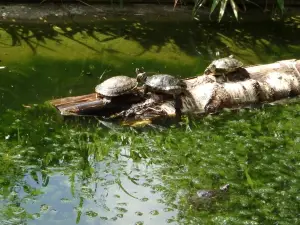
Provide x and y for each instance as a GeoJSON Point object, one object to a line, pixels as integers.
{"type": "Point", "coordinates": [80, 172]}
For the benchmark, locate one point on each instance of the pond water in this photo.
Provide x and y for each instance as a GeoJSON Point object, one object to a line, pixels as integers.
{"type": "Point", "coordinates": [56, 171]}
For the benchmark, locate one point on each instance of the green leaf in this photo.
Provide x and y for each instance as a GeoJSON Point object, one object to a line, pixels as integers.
{"type": "Point", "coordinates": [234, 9]}
{"type": "Point", "coordinates": [281, 4]}
{"type": "Point", "coordinates": [222, 9]}
{"type": "Point", "coordinates": [197, 6]}
{"type": "Point", "coordinates": [248, 178]}
{"type": "Point", "coordinates": [214, 5]}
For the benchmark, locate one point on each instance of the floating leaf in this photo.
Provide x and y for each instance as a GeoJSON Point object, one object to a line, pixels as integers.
{"type": "Point", "coordinates": [214, 5]}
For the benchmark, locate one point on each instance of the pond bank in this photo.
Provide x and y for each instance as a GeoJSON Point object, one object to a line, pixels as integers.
{"type": "Point", "coordinates": [50, 12]}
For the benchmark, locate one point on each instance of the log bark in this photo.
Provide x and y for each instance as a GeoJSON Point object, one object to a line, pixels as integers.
{"type": "Point", "coordinates": [251, 85]}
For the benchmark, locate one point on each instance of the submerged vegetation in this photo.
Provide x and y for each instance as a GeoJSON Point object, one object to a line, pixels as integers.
{"type": "Point", "coordinates": [104, 172]}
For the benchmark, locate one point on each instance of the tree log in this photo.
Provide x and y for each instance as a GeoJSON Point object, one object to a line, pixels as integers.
{"type": "Point", "coordinates": [250, 85]}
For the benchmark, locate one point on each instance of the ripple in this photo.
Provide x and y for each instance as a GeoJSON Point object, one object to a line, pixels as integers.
{"type": "Point", "coordinates": [91, 213]}
{"type": "Point", "coordinates": [139, 223]}
{"type": "Point", "coordinates": [154, 212]}
{"type": "Point", "coordinates": [123, 210]}
{"type": "Point", "coordinates": [138, 213]}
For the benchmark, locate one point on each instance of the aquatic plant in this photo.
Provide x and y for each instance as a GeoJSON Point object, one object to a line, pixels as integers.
{"type": "Point", "coordinates": [233, 3]}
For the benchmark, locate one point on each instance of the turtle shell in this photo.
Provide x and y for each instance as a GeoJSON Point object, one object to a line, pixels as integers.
{"type": "Point", "coordinates": [212, 193]}
{"type": "Point", "coordinates": [206, 193]}
{"type": "Point", "coordinates": [165, 83]}
{"type": "Point", "coordinates": [202, 197]}
{"type": "Point", "coordinates": [224, 65]}
{"type": "Point", "coordinates": [116, 86]}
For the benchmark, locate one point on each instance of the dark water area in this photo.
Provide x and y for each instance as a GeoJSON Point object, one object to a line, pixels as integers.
{"type": "Point", "coordinates": [54, 171]}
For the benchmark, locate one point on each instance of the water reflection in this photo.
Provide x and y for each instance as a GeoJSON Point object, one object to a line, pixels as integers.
{"type": "Point", "coordinates": [118, 192]}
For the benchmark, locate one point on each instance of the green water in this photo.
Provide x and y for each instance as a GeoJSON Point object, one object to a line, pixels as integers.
{"type": "Point", "coordinates": [55, 171]}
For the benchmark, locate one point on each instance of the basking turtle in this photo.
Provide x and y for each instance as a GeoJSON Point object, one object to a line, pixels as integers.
{"type": "Point", "coordinates": [223, 66]}
{"type": "Point", "coordinates": [115, 86]}
{"type": "Point", "coordinates": [204, 197]}
{"type": "Point", "coordinates": [162, 83]}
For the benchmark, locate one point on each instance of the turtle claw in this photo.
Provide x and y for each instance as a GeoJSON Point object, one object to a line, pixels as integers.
{"type": "Point", "coordinates": [106, 101]}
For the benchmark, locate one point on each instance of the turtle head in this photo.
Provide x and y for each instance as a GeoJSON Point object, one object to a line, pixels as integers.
{"type": "Point", "coordinates": [224, 187]}
{"type": "Point", "coordinates": [139, 70]}
{"type": "Point", "coordinates": [210, 69]}
{"type": "Point", "coordinates": [141, 76]}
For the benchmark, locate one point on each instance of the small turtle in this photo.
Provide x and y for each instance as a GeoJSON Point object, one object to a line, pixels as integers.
{"type": "Point", "coordinates": [212, 193]}
{"type": "Point", "coordinates": [207, 197]}
{"type": "Point", "coordinates": [115, 86]}
{"type": "Point", "coordinates": [162, 83]}
{"type": "Point", "coordinates": [223, 66]}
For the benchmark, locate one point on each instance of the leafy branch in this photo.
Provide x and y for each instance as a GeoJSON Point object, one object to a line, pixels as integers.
{"type": "Point", "coordinates": [223, 4]}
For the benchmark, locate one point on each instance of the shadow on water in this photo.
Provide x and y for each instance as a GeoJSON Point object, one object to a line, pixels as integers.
{"type": "Point", "coordinates": [191, 37]}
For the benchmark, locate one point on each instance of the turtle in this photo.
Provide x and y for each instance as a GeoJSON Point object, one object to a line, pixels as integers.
{"type": "Point", "coordinates": [115, 86]}
{"type": "Point", "coordinates": [223, 66]}
{"type": "Point", "coordinates": [162, 83]}
{"type": "Point", "coordinates": [212, 193]}
{"type": "Point", "coordinates": [206, 197]}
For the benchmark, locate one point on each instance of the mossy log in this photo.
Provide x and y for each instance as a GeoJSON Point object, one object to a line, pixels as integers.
{"type": "Point", "coordinates": [247, 86]}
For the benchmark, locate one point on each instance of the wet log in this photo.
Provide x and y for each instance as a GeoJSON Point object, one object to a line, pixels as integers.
{"type": "Point", "coordinates": [250, 85]}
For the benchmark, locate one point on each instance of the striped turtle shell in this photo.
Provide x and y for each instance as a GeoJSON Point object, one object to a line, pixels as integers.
{"type": "Point", "coordinates": [161, 82]}
{"type": "Point", "coordinates": [116, 86]}
{"type": "Point", "coordinates": [223, 66]}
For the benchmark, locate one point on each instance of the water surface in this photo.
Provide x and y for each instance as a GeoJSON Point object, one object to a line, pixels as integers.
{"type": "Point", "coordinates": [56, 171]}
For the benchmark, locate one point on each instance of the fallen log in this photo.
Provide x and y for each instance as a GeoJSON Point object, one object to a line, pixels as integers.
{"type": "Point", "coordinates": [247, 86]}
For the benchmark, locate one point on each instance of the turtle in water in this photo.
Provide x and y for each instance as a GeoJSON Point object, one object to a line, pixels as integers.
{"type": "Point", "coordinates": [162, 83]}
{"type": "Point", "coordinates": [115, 86]}
{"type": "Point", "coordinates": [223, 66]}
{"type": "Point", "coordinates": [212, 193]}
{"type": "Point", "coordinates": [206, 197]}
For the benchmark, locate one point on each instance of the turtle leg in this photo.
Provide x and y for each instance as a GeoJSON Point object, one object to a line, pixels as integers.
{"type": "Point", "coordinates": [178, 106]}
{"type": "Point", "coordinates": [220, 78]}
{"type": "Point", "coordinates": [225, 77]}
{"type": "Point", "coordinates": [106, 100]}
{"type": "Point", "coordinates": [146, 89]}
{"type": "Point", "coordinates": [156, 97]}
